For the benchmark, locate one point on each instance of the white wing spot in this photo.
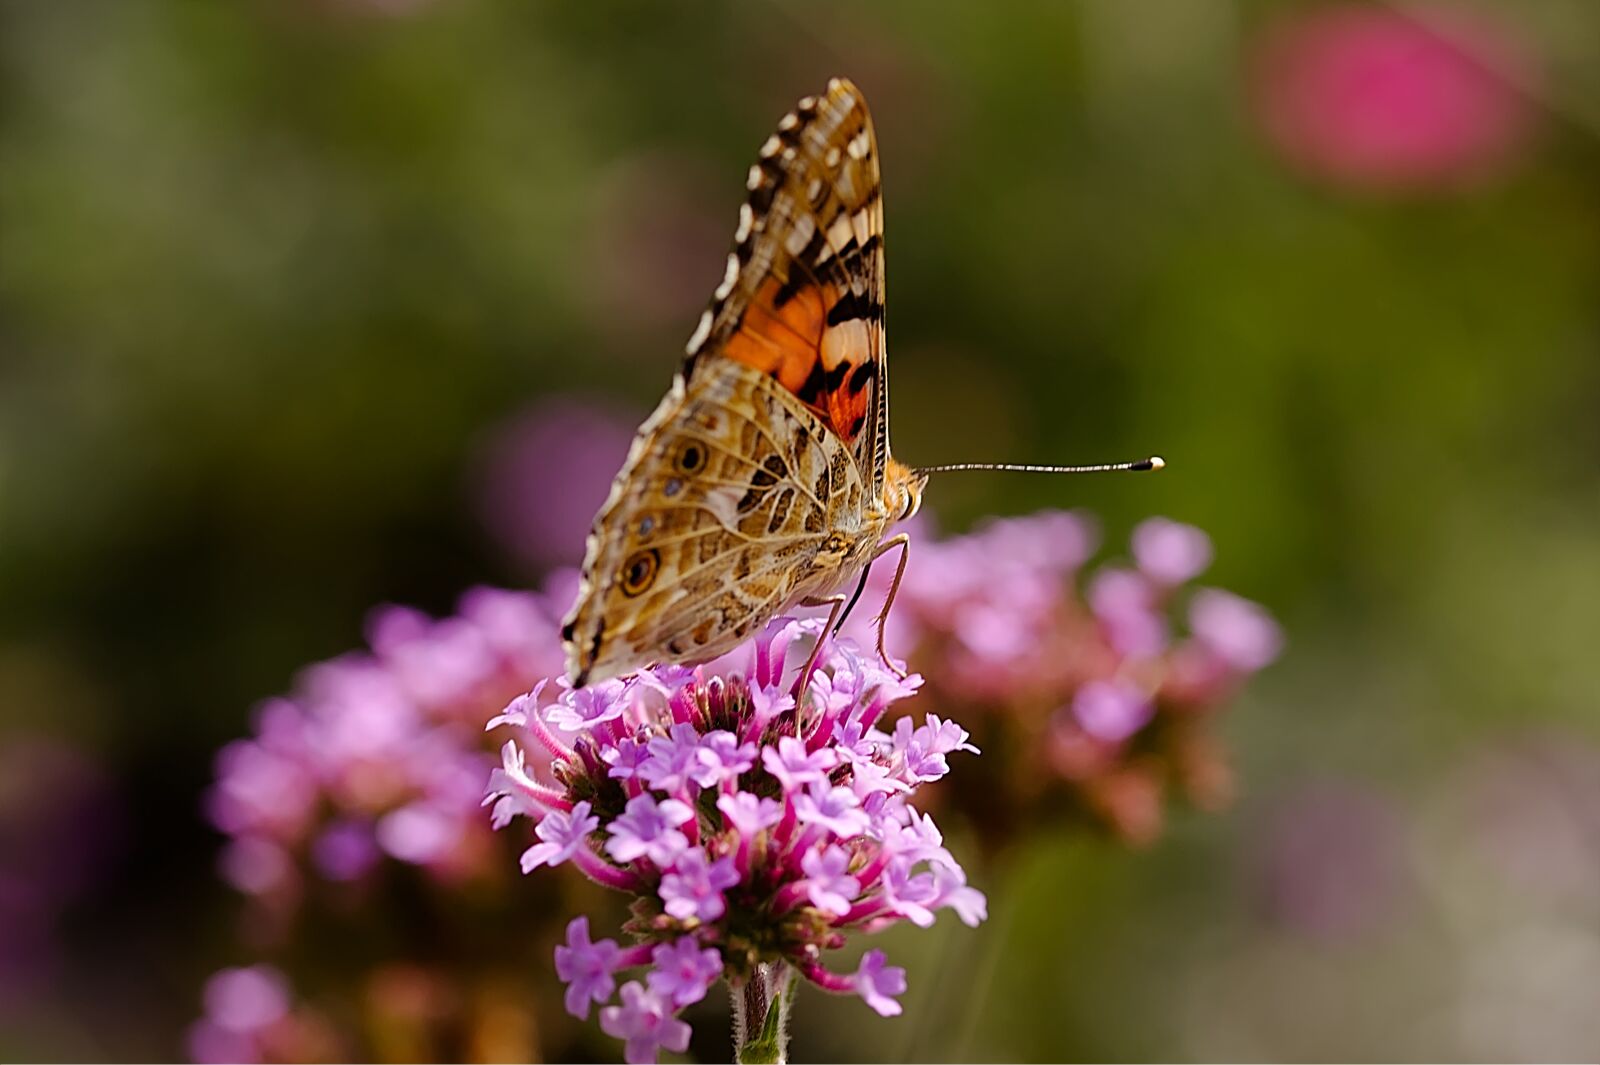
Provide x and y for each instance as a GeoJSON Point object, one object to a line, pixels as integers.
{"type": "Point", "coordinates": [800, 235]}
{"type": "Point", "coordinates": [862, 220]}
{"type": "Point", "coordinates": [770, 146]}
{"type": "Point", "coordinates": [845, 185]}
{"type": "Point", "coordinates": [754, 179]}
{"type": "Point", "coordinates": [701, 331]}
{"type": "Point", "coordinates": [813, 189]}
{"type": "Point", "coordinates": [728, 279]}
{"type": "Point", "coordinates": [747, 219]}
{"type": "Point", "coordinates": [839, 233]}
{"type": "Point", "coordinates": [844, 342]}
{"type": "Point", "coordinates": [858, 145]}
{"type": "Point", "coordinates": [723, 503]}
{"type": "Point", "coordinates": [832, 158]}
{"type": "Point", "coordinates": [807, 103]}
{"type": "Point", "coordinates": [788, 122]}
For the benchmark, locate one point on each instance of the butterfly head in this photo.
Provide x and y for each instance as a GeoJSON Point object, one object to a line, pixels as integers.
{"type": "Point", "coordinates": [902, 491]}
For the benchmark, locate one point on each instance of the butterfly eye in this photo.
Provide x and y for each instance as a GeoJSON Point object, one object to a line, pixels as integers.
{"type": "Point", "coordinates": [913, 503]}
{"type": "Point", "coordinates": [640, 572]}
{"type": "Point", "coordinates": [691, 458]}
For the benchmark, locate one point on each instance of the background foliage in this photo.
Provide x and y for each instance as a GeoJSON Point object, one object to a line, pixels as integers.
{"type": "Point", "coordinates": [275, 276]}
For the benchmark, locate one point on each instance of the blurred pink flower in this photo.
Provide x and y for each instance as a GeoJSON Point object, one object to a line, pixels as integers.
{"type": "Point", "coordinates": [256, 865]}
{"type": "Point", "coordinates": [1238, 632]}
{"type": "Point", "coordinates": [544, 474]}
{"type": "Point", "coordinates": [208, 1042]}
{"type": "Point", "coordinates": [995, 591]}
{"type": "Point", "coordinates": [1111, 710]}
{"type": "Point", "coordinates": [361, 785]}
{"type": "Point", "coordinates": [381, 753]}
{"type": "Point", "coordinates": [1091, 673]}
{"type": "Point", "coordinates": [1127, 605]}
{"type": "Point", "coordinates": [1378, 98]}
{"type": "Point", "coordinates": [251, 1016]}
{"type": "Point", "coordinates": [345, 850]}
{"type": "Point", "coordinates": [245, 999]}
{"type": "Point", "coordinates": [240, 1004]}
{"type": "Point", "coordinates": [1170, 552]}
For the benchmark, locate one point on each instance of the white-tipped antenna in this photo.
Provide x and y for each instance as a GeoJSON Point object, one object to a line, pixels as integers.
{"type": "Point", "coordinates": [1154, 462]}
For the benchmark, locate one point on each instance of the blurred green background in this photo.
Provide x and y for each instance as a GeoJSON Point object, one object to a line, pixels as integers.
{"type": "Point", "coordinates": [274, 274]}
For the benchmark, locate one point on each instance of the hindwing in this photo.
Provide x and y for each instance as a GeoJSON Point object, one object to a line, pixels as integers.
{"type": "Point", "coordinates": [711, 526]}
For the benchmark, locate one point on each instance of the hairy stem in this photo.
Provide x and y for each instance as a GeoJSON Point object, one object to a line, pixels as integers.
{"type": "Point", "coordinates": [761, 1016]}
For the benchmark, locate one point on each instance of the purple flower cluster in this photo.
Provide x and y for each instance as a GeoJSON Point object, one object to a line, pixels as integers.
{"type": "Point", "coordinates": [373, 765]}
{"type": "Point", "coordinates": [380, 755]}
{"type": "Point", "coordinates": [1107, 678]}
{"type": "Point", "coordinates": [249, 1017]}
{"type": "Point", "coordinates": [755, 834]}
{"type": "Point", "coordinates": [755, 831]}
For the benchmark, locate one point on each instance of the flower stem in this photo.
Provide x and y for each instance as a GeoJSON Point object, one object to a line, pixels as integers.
{"type": "Point", "coordinates": [761, 1016]}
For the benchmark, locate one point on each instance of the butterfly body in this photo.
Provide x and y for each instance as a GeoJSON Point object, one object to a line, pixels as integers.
{"type": "Point", "coordinates": [764, 478]}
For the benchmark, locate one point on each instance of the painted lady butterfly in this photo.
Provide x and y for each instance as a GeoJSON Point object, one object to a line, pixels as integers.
{"type": "Point", "coordinates": [764, 478]}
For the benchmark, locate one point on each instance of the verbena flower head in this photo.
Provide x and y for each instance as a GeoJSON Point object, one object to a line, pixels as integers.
{"type": "Point", "coordinates": [752, 830]}
{"type": "Point", "coordinates": [1103, 679]}
{"type": "Point", "coordinates": [380, 755]}
{"type": "Point", "coordinates": [367, 774]}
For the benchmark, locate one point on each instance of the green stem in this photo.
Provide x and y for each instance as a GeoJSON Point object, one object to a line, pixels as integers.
{"type": "Point", "coordinates": [761, 1016]}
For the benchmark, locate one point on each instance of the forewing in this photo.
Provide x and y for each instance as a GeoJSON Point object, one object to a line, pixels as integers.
{"type": "Point", "coordinates": [802, 297]}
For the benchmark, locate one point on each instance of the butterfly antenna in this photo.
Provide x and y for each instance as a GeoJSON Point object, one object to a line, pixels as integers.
{"type": "Point", "coordinates": [1154, 462]}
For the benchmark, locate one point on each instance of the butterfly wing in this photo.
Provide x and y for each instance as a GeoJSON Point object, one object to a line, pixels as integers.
{"type": "Point", "coordinates": [802, 298]}
{"type": "Point", "coordinates": [773, 437]}
{"type": "Point", "coordinates": [713, 526]}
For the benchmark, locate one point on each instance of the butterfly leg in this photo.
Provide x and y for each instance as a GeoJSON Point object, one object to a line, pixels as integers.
{"type": "Point", "coordinates": [903, 542]}
{"type": "Point", "coordinates": [855, 598]}
{"type": "Point", "coordinates": [836, 602]}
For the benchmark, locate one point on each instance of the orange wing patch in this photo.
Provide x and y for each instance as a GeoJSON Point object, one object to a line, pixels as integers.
{"type": "Point", "coordinates": [803, 296]}
{"type": "Point", "coordinates": [827, 366]}
{"type": "Point", "coordinates": [786, 340]}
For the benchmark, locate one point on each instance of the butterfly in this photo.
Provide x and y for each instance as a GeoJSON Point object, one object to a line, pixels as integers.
{"type": "Point", "coordinates": [764, 478]}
